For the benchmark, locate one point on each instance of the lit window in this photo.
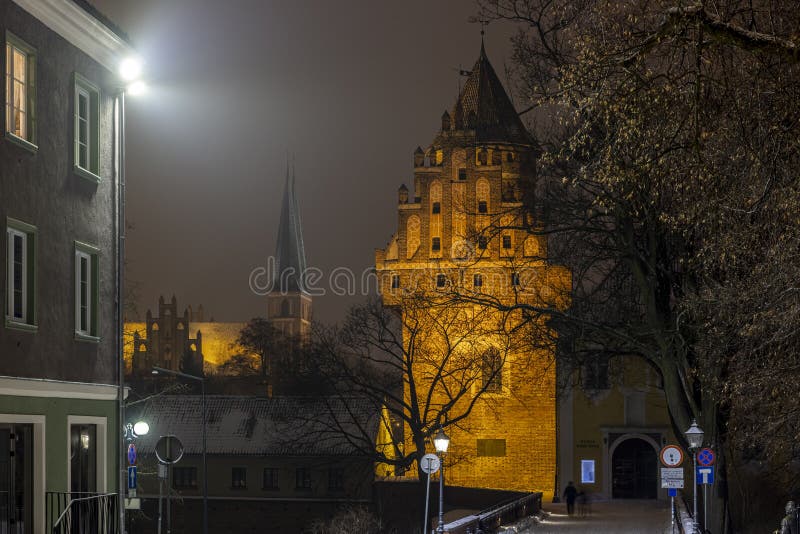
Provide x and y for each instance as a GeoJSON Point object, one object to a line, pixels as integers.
{"type": "Point", "coordinates": [492, 371]}
{"type": "Point", "coordinates": [302, 478]}
{"type": "Point", "coordinates": [491, 447]}
{"type": "Point", "coordinates": [335, 479]}
{"type": "Point", "coordinates": [238, 478]}
{"type": "Point", "coordinates": [86, 286]}
{"type": "Point", "coordinates": [270, 480]}
{"type": "Point", "coordinates": [20, 273]}
{"type": "Point", "coordinates": [20, 91]}
{"type": "Point", "coordinates": [587, 471]}
{"type": "Point", "coordinates": [87, 123]}
{"type": "Point", "coordinates": [477, 280]}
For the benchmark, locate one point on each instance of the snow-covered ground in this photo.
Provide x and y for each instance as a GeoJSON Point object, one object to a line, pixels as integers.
{"type": "Point", "coordinates": [609, 517]}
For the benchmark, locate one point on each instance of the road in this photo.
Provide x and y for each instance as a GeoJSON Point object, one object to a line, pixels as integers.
{"type": "Point", "coordinates": [617, 517]}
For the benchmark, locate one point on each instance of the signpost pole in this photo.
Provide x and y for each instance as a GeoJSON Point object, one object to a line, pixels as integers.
{"type": "Point", "coordinates": [705, 507]}
{"type": "Point", "coordinates": [695, 523]}
{"type": "Point", "coordinates": [672, 514]}
{"type": "Point", "coordinates": [427, 500]}
{"type": "Point", "coordinates": [160, 497]}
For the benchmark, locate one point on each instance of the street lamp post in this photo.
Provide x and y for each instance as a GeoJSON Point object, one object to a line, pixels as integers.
{"type": "Point", "coordinates": [694, 436]}
{"type": "Point", "coordinates": [202, 380]}
{"type": "Point", "coordinates": [441, 441]}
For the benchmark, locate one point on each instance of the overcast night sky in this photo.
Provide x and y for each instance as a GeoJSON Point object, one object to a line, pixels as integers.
{"type": "Point", "coordinates": [350, 87]}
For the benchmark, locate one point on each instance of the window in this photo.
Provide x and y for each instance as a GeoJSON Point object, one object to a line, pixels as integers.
{"type": "Point", "coordinates": [483, 242]}
{"type": "Point", "coordinates": [302, 478]}
{"type": "Point", "coordinates": [436, 208]}
{"type": "Point", "coordinates": [20, 273]}
{"type": "Point", "coordinates": [492, 371]}
{"type": "Point", "coordinates": [482, 207]}
{"type": "Point", "coordinates": [595, 373]}
{"type": "Point", "coordinates": [87, 123]}
{"type": "Point", "coordinates": [184, 477]}
{"type": "Point", "coordinates": [238, 478]}
{"type": "Point", "coordinates": [587, 471]}
{"type": "Point", "coordinates": [395, 281]}
{"type": "Point", "coordinates": [506, 241]}
{"type": "Point", "coordinates": [436, 244]}
{"type": "Point", "coordinates": [477, 280]}
{"type": "Point", "coordinates": [86, 294]}
{"type": "Point", "coordinates": [462, 174]}
{"type": "Point", "coordinates": [335, 479]}
{"type": "Point", "coordinates": [20, 91]}
{"type": "Point", "coordinates": [412, 235]}
{"type": "Point", "coordinates": [491, 447]}
{"type": "Point", "coordinates": [441, 280]}
{"type": "Point", "coordinates": [515, 279]}
{"type": "Point", "coordinates": [270, 480]}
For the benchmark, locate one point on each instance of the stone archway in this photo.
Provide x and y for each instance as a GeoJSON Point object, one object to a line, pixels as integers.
{"type": "Point", "coordinates": [634, 468]}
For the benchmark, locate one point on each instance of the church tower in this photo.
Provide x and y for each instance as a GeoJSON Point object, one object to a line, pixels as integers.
{"type": "Point", "coordinates": [289, 304]}
{"type": "Point", "coordinates": [462, 231]}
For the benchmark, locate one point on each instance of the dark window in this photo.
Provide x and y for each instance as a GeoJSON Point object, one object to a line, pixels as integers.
{"type": "Point", "coordinates": [335, 479]}
{"type": "Point", "coordinates": [436, 245]}
{"type": "Point", "coordinates": [441, 280]}
{"type": "Point", "coordinates": [302, 478]}
{"type": "Point", "coordinates": [436, 208]}
{"type": "Point", "coordinates": [482, 207]}
{"type": "Point", "coordinates": [515, 279]}
{"type": "Point", "coordinates": [595, 373]}
{"type": "Point", "coordinates": [462, 174]}
{"type": "Point", "coordinates": [483, 242]}
{"type": "Point", "coordinates": [491, 447]}
{"type": "Point", "coordinates": [238, 478]}
{"type": "Point", "coordinates": [492, 370]}
{"type": "Point", "coordinates": [184, 477]}
{"type": "Point", "coordinates": [506, 241]}
{"type": "Point", "coordinates": [395, 281]}
{"type": "Point", "coordinates": [270, 480]}
{"type": "Point", "coordinates": [477, 280]}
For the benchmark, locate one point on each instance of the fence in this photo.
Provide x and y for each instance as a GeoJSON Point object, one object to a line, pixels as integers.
{"type": "Point", "coordinates": [82, 513]}
{"type": "Point", "coordinates": [491, 519]}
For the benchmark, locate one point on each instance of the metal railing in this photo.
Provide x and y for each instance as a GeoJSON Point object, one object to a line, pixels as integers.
{"type": "Point", "coordinates": [82, 513]}
{"type": "Point", "coordinates": [490, 519]}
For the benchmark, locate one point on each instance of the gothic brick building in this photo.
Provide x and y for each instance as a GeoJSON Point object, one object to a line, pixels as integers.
{"type": "Point", "coordinates": [459, 231]}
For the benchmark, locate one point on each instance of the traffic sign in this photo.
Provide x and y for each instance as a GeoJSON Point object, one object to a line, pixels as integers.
{"type": "Point", "coordinates": [706, 457]}
{"type": "Point", "coordinates": [705, 475]}
{"type": "Point", "coordinates": [430, 463]}
{"type": "Point", "coordinates": [169, 450]}
{"type": "Point", "coordinates": [673, 492]}
{"type": "Point", "coordinates": [671, 477]}
{"type": "Point", "coordinates": [132, 477]}
{"type": "Point", "coordinates": [132, 454]}
{"type": "Point", "coordinates": [671, 456]}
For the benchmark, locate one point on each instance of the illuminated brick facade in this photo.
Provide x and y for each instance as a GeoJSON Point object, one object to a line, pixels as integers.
{"type": "Point", "coordinates": [457, 234]}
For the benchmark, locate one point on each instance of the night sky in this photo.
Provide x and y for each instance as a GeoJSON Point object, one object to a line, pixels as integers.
{"type": "Point", "coordinates": [349, 87]}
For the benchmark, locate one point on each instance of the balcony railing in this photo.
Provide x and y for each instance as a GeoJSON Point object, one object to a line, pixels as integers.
{"type": "Point", "coordinates": [82, 513]}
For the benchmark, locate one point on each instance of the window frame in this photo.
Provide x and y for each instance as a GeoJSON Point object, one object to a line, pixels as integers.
{"type": "Point", "coordinates": [477, 280]}
{"type": "Point", "coordinates": [193, 479]}
{"type": "Point", "coordinates": [242, 471]}
{"type": "Point", "coordinates": [275, 478]}
{"type": "Point", "coordinates": [302, 483]}
{"type": "Point", "coordinates": [92, 255]}
{"type": "Point", "coordinates": [335, 479]}
{"type": "Point", "coordinates": [83, 86]}
{"type": "Point", "coordinates": [29, 235]}
{"type": "Point", "coordinates": [28, 141]}
{"type": "Point", "coordinates": [587, 480]}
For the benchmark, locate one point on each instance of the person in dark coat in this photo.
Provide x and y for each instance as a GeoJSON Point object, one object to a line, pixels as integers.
{"type": "Point", "coordinates": [570, 493]}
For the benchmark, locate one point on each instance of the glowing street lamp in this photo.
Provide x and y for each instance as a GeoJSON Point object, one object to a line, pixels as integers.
{"type": "Point", "coordinates": [441, 442]}
{"type": "Point", "coordinates": [130, 69]}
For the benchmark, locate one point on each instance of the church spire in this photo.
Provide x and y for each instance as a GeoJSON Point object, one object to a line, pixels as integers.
{"type": "Point", "coordinates": [290, 255]}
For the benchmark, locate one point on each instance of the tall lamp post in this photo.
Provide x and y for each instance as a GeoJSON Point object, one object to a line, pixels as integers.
{"type": "Point", "coordinates": [441, 441]}
{"type": "Point", "coordinates": [694, 436]}
{"type": "Point", "coordinates": [202, 380]}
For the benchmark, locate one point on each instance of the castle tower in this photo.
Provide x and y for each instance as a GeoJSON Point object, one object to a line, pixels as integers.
{"type": "Point", "coordinates": [288, 304]}
{"type": "Point", "coordinates": [462, 231]}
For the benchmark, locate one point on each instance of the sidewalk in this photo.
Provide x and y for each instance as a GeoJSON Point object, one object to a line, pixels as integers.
{"type": "Point", "coordinates": [607, 517]}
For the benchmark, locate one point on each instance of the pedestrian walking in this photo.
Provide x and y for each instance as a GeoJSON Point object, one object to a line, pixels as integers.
{"type": "Point", "coordinates": [570, 493]}
{"type": "Point", "coordinates": [582, 503]}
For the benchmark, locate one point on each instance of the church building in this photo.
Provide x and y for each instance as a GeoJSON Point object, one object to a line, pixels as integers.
{"type": "Point", "coordinates": [461, 232]}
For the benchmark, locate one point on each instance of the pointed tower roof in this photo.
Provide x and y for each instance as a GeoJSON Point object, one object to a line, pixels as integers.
{"type": "Point", "coordinates": [484, 106]}
{"type": "Point", "coordinates": [290, 254]}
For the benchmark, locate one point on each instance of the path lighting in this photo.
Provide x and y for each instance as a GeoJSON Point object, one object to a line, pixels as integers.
{"type": "Point", "coordinates": [202, 380]}
{"type": "Point", "coordinates": [694, 436]}
{"type": "Point", "coordinates": [441, 442]}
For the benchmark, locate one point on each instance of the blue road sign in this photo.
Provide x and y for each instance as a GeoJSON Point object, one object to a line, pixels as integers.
{"type": "Point", "coordinates": [132, 477]}
{"type": "Point", "coordinates": [706, 457]}
{"type": "Point", "coordinates": [705, 475]}
{"type": "Point", "coordinates": [673, 492]}
{"type": "Point", "coordinates": [132, 454]}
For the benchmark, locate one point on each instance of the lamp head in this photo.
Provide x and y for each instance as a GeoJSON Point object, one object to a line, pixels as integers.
{"type": "Point", "coordinates": [694, 435]}
{"type": "Point", "coordinates": [130, 68]}
{"type": "Point", "coordinates": [141, 428]}
{"type": "Point", "coordinates": [441, 441]}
